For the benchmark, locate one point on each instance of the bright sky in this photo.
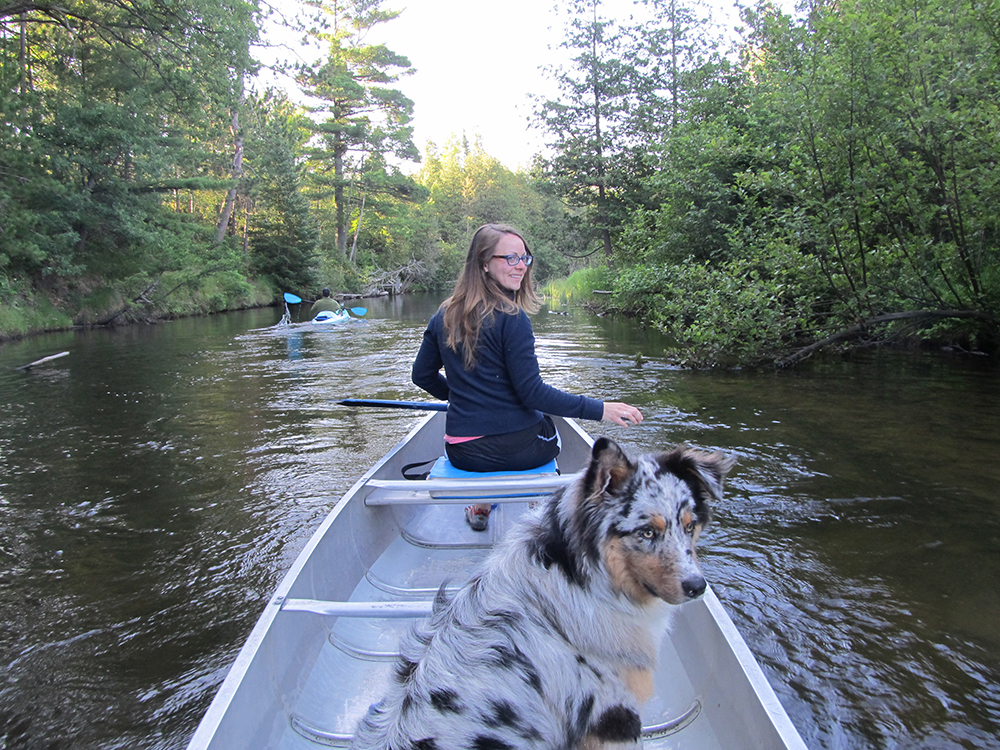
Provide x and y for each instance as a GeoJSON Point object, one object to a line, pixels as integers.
{"type": "Point", "coordinates": [477, 63]}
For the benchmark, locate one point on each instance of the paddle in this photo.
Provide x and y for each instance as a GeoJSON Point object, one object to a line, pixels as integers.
{"type": "Point", "coordinates": [294, 299]}
{"type": "Point", "coordinates": [423, 405]}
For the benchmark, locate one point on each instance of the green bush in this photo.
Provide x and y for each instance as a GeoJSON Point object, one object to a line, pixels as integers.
{"type": "Point", "coordinates": [742, 312]}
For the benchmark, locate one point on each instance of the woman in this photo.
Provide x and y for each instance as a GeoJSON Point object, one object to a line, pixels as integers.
{"type": "Point", "coordinates": [497, 401]}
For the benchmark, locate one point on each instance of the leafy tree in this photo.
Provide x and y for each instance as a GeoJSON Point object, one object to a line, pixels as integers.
{"type": "Point", "coordinates": [890, 110]}
{"type": "Point", "coordinates": [282, 233]}
{"type": "Point", "coordinates": [467, 187]}
{"type": "Point", "coordinates": [99, 100]}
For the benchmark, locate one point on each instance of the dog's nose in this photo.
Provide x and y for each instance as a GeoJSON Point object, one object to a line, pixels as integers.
{"type": "Point", "coordinates": [694, 587]}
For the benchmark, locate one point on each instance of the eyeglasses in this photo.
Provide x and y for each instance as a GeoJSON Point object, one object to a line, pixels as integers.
{"type": "Point", "coordinates": [512, 259]}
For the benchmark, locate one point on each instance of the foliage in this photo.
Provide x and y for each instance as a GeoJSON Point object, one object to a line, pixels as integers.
{"type": "Point", "coordinates": [282, 231]}
{"type": "Point", "coordinates": [467, 188]}
{"type": "Point", "coordinates": [857, 143]}
{"type": "Point", "coordinates": [108, 113]}
{"type": "Point", "coordinates": [741, 311]}
{"type": "Point", "coordinates": [839, 180]}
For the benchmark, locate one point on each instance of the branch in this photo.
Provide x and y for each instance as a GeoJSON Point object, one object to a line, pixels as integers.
{"type": "Point", "coordinates": [857, 330]}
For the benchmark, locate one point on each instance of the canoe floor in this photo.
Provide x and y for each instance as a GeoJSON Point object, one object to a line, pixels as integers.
{"type": "Point", "coordinates": [356, 662]}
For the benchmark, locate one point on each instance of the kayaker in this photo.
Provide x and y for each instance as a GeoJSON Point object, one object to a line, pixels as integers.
{"type": "Point", "coordinates": [326, 302]}
{"type": "Point", "coordinates": [497, 400]}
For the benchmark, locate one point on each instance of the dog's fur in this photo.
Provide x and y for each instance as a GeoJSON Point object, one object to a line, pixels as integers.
{"type": "Point", "coordinates": [553, 643]}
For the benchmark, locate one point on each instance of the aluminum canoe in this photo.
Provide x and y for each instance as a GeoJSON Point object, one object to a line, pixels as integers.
{"type": "Point", "coordinates": [323, 650]}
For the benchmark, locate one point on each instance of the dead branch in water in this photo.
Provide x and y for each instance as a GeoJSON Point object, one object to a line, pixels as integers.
{"type": "Point", "coordinates": [860, 328]}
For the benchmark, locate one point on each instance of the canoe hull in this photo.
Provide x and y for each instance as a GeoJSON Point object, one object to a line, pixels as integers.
{"type": "Point", "coordinates": [303, 678]}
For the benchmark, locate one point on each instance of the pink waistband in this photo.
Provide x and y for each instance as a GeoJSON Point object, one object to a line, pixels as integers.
{"type": "Point", "coordinates": [455, 440]}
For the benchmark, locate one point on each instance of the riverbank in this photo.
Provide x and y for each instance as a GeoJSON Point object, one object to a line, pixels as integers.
{"type": "Point", "coordinates": [30, 312]}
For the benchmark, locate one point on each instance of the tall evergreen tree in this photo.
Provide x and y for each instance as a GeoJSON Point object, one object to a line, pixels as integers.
{"type": "Point", "coordinates": [360, 113]}
{"type": "Point", "coordinates": [105, 107]}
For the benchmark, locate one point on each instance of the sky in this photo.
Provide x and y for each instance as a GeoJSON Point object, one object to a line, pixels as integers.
{"type": "Point", "coordinates": [478, 63]}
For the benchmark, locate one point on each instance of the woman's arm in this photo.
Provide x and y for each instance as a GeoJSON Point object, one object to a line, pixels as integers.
{"type": "Point", "coordinates": [426, 371]}
{"type": "Point", "coordinates": [522, 364]}
{"type": "Point", "coordinates": [535, 393]}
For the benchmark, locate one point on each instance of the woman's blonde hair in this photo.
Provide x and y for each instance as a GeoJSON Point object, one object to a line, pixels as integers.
{"type": "Point", "coordinates": [478, 296]}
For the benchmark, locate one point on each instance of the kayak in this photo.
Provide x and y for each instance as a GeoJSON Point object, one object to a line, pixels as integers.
{"type": "Point", "coordinates": [329, 317]}
{"type": "Point", "coordinates": [324, 649]}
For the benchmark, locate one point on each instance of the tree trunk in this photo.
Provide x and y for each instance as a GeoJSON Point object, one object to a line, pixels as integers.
{"type": "Point", "coordinates": [338, 199]}
{"type": "Point", "coordinates": [854, 331]}
{"type": "Point", "coordinates": [357, 230]}
{"type": "Point", "coordinates": [227, 207]}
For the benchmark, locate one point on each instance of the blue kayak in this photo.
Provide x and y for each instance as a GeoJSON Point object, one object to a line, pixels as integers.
{"type": "Point", "coordinates": [328, 317]}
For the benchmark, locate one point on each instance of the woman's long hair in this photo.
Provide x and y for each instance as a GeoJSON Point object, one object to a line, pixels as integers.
{"type": "Point", "coordinates": [478, 296]}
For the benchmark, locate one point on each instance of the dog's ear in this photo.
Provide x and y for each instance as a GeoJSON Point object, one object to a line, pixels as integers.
{"type": "Point", "coordinates": [708, 469]}
{"type": "Point", "coordinates": [609, 467]}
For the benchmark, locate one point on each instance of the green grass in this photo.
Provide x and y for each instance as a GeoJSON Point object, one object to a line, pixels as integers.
{"type": "Point", "coordinates": [580, 285]}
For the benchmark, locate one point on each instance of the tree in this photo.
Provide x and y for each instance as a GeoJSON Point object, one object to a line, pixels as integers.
{"type": "Point", "coordinates": [104, 106]}
{"type": "Point", "coordinates": [361, 116]}
{"type": "Point", "coordinates": [281, 232]}
{"type": "Point", "coordinates": [623, 93]}
{"type": "Point", "coordinates": [890, 109]}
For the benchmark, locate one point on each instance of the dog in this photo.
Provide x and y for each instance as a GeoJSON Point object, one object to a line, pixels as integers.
{"type": "Point", "coordinates": [554, 641]}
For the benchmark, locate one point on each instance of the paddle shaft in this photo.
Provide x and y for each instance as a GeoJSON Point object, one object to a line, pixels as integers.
{"type": "Point", "coordinates": [422, 405]}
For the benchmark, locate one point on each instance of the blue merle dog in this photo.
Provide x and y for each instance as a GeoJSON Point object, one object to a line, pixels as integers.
{"type": "Point", "coordinates": [553, 643]}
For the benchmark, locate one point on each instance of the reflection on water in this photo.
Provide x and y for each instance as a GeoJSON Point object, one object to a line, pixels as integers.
{"type": "Point", "coordinates": [156, 484]}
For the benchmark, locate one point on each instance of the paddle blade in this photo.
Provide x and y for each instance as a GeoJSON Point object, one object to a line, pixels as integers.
{"type": "Point", "coordinates": [292, 299]}
{"type": "Point", "coordinates": [359, 310]}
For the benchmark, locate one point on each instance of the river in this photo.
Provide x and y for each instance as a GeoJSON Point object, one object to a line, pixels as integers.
{"type": "Point", "coordinates": [157, 482]}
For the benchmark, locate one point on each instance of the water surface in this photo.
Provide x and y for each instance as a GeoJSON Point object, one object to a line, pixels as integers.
{"type": "Point", "coordinates": [156, 484]}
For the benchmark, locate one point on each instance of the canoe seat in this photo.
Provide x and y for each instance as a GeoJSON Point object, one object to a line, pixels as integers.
{"type": "Point", "coordinates": [448, 485]}
{"type": "Point", "coordinates": [443, 468]}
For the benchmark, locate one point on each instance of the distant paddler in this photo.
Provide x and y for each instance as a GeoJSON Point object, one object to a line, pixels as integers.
{"type": "Point", "coordinates": [324, 303]}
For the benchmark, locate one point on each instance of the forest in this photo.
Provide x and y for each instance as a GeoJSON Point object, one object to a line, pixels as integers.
{"type": "Point", "coordinates": [828, 179]}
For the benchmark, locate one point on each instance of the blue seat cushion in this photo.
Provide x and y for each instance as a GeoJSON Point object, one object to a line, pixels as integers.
{"type": "Point", "coordinates": [443, 469]}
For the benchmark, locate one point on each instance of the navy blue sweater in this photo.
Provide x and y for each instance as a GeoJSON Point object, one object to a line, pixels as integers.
{"type": "Point", "coordinates": [504, 392]}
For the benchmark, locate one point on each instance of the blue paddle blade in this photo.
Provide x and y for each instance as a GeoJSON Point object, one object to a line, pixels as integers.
{"type": "Point", "coordinates": [291, 299]}
{"type": "Point", "coordinates": [359, 310]}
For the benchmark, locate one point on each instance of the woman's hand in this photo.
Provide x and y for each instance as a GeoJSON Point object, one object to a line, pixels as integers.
{"type": "Point", "coordinates": [622, 414]}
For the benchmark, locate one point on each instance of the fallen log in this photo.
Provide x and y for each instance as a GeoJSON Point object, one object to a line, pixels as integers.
{"type": "Point", "coordinates": [40, 361]}
{"type": "Point", "coordinates": [854, 331]}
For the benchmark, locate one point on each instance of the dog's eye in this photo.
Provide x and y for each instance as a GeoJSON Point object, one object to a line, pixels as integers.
{"type": "Point", "coordinates": [647, 533]}
{"type": "Point", "coordinates": [689, 529]}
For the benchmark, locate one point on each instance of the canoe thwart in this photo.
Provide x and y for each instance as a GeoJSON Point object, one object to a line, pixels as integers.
{"type": "Point", "coordinates": [424, 498]}
{"type": "Point", "coordinates": [424, 491]}
{"type": "Point", "coordinates": [358, 609]}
